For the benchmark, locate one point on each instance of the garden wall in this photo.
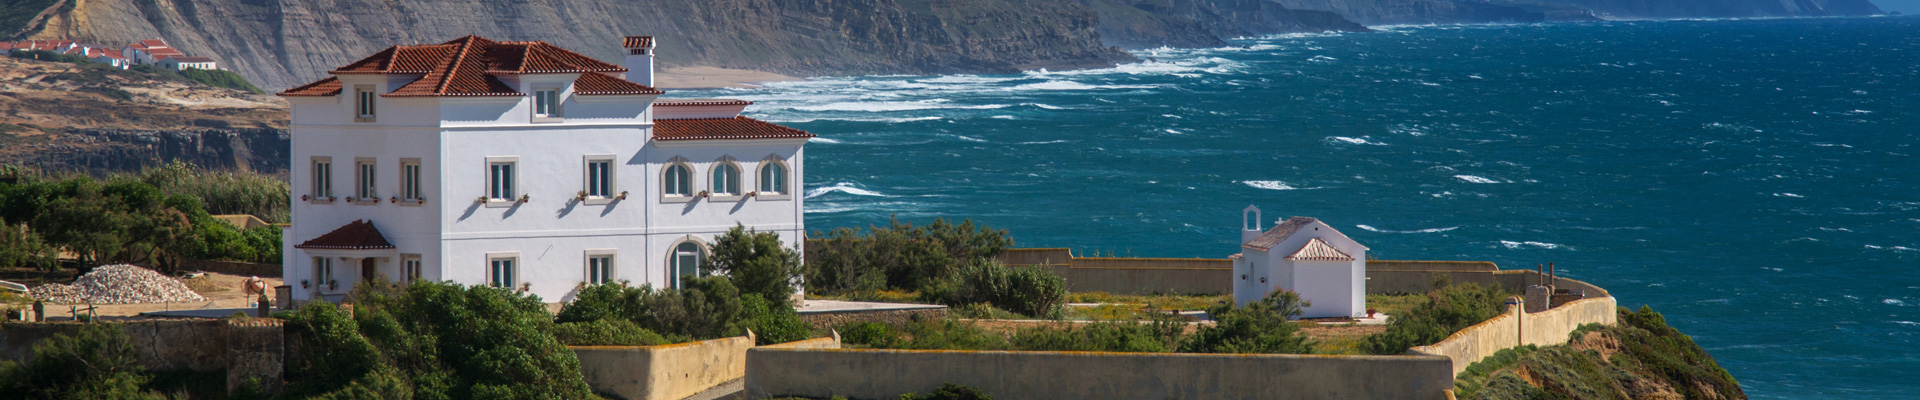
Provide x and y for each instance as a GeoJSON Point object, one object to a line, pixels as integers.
{"type": "Point", "coordinates": [878, 374]}
{"type": "Point", "coordinates": [674, 371]}
{"type": "Point", "coordinates": [1515, 328]}
{"type": "Point", "coordinates": [244, 348]}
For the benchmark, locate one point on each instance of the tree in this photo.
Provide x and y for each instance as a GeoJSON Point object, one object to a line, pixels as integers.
{"type": "Point", "coordinates": [20, 246]}
{"type": "Point", "coordinates": [757, 263]}
{"type": "Point", "coordinates": [1260, 327]}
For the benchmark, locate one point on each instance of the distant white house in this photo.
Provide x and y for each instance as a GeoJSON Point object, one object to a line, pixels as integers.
{"type": "Point", "coordinates": [182, 63]}
{"type": "Point", "coordinates": [1305, 256]}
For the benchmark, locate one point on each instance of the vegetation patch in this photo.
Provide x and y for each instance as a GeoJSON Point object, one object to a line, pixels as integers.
{"type": "Point", "coordinates": [1641, 357]}
{"type": "Point", "coordinates": [1446, 309]}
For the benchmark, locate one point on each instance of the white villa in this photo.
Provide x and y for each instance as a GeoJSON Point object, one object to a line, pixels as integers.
{"type": "Point", "coordinates": [1305, 256]}
{"type": "Point", "coordinates": [523, 165]}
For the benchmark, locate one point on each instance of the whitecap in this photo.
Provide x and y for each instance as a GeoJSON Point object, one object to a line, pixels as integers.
{"type": "Point", "coordinates": [883, 106]}
{"type": "Point", "coordinates": [842, 187]}
{"type": "Point", "coordinates": [970, 138]}
{"type": "Point", "coordinates": [1428, 230]}
{"type": "Point", "coordinates": [1784, 194]}
{"type": "Point", "coordinates": [1071, 85]}
{"type": "Point", "coordinates": [1174, 131]}
{"type": "Point", "coordinates": [1518, 245]}
{"type": "Point", "coordinates": [1474, 179]}
{"type": "Point", "coordinates": [1909, 323]}
{"type": "Point", "coordinates": [1893, 302]}
{"type": "Point", "coordinates": [1269, 185]}
{"type": "Point", "coordinates": [1046, 142]}
{"type": "Point", "coordinates": [817, 139]}
{"type": "Point", "coordinates": [1355, 140]}
{"type": "Point", "coordinates": [1002, 117]}
{"type": "Point", "coordinates": [1045, 106]}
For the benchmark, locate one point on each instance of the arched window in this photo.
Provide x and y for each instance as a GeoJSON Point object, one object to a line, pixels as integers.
{"type": "Point", "coordinates": [726, 179]}
{"type": "Point", "coordinates": [679, 180]}
{"type": "Point", "coordinates": [684, 261]}
{"type": "Point", "coordinates": [773, 177]}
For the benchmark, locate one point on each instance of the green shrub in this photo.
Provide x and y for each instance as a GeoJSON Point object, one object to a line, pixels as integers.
{"type": "Point", "coordinates": [868, 333]}
{"type": "Point", "coordinates": [1026, 290]}
{"type": "Point", "coordinates": [899, 256]}
{"type": "Point", "coordinates": [1448, 309]}
{"type": "Point", "coordinates": [772, 323]}
{"type": "Point", "coordinates": [606, 332]}
{"type": "Point", "coordinates": [1260, 327]}
{"type": "Point", "coordinates": [922, 335]}
{"type": "Point", "coordinates": [949, 391]}
{"type": "Point", "coordinates": [1157, 337]}
{"type": "Point", "coordinates": [223, 192]}
{"type": "Point", "coordinates": [708, 308]}
{"type": "Point", "coordinates": [98, 362]}
{"type": "Point", "coordinates": [757, 263]}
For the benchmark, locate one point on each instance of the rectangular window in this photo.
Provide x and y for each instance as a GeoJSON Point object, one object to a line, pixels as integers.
{"type": "Point", "coordinates": [322, 178]}
{"type": "Point", "coordinates": [500, 181]}
{"type": "Point", "coordinates": [599, 269]}
{"type": "Point", "coordinates": [410, 267]}
{"type": "Point", "coordinates": [546, 103]}
{"type": "Point", "coordinates": [364, 102]}
{"type": "Point", "coordinates": [364, 177]}
{"type": "Point", "coordinates": [322, 271]}
{"type": "Point", "coordinates": [410, 179]}
{"type": "Point", "coordinates": [501, 274]}
{"type": "Point", "coordinates": [599, 182]}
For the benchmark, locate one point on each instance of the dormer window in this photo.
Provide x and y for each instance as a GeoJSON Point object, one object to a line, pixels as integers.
{"type": "Point", "coordinates": [546, 104]}
{"type": "Point", "coordinates": [363, 101]}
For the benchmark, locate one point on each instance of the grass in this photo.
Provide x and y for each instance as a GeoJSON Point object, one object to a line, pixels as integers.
{"type": "Point", "coordinates": [1395, 304]}
{"type": "Point", "coordinates": [881, 296]}
{"type": "Point", "coordinates": [1158, 301]}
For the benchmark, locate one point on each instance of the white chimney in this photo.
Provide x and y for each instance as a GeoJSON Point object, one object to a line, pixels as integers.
{"type": "Point", "coordinates": [1250, 224]}
{"type": "Point", "coordinates": [639, 59]}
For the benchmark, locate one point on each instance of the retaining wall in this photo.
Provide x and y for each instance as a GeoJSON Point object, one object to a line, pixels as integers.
{"type": "Point", "coordinates": [673, 371]}
{"type": "Point", "coordinates": [878, 374]}
{"type": "Point", "coordinates": [244, 348]}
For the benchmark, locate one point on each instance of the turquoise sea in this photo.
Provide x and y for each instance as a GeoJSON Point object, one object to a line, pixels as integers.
{"type": "Point", "coordinates": [1754, 180]}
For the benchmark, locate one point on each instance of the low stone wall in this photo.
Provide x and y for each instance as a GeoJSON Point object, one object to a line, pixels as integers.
{"type": "Point", "coordinates": [830, 319]}
{"type": "Point", "coordinates": [878, 374]}
{"type": "Point", "coordinates": [674, 371]}
{"type": "Point", "coordinates": [232, 268]}
{"type": "Point", "coordinates": [244, 348]}
{"type": "Point", "coordinates": [1516, 327]}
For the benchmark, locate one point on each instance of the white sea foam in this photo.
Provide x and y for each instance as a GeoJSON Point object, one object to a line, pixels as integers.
{"type": "Point", "coordinates": [895, 106]}
{"type": "Point", "coordinates": [970, 138]}
{"type": "Point", "coordinates": [1046, 142]}
{"type": "Point", "coordinates": [1784, 194]}
{"type": "Point", "coordinates": [1474, 179]}
{"type": "Point", "coordinates": [1002, 117]}
{"type": "Point", "coordinates": [1355, 140]}
{"type": "Point", "coordinates": [817, 139]}
{"type": "Point", "coordinates": [1269, 185]}
{"type": "Point", "coordinates": [1428, 230]}
{"type": "Point", "coordinates": [1519, 245]}
{"type": "Point", "coordinates": [1908, 323]}
{"type": "Point", "coordinates": [1893, 302]}
{"type": "Point", "coordinates": [1045, 106]}
{"type": "Point", "coordinates": [1071, 85]}
{"type": "Point", "coordinates": [842, 187]}
{"type": "Point", "coordinates": [1894, 248]}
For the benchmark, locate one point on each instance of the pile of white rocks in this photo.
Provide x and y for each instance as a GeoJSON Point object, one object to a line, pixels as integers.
{"type": "Point", "coordinates": [118, 284]}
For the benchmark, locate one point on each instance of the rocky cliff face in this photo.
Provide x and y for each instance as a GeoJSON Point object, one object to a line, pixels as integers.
{"type": "Point", "coordinates": [1204, 23]}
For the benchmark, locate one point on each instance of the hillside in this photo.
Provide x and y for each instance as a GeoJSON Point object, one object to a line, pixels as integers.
{"type": "Point", "coordinates": [1639, 358]}
{"type": "Point", "coordinates": [90, 117]}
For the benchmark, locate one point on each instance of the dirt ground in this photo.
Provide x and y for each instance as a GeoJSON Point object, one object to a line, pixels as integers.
{"type": "Point", "coordinates": [221, 291]}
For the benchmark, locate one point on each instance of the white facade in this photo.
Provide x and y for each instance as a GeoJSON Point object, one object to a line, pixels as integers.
{"type": "Point", "coordinates": [460, 225]}
{"type": "Point", "coordinates": [1303, 255]}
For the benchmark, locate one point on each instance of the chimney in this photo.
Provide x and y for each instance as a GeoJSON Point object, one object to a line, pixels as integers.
{"type": "Point", "coordinates": [1250, 224]}
{"type": "Point", "coordinates": [639, 59]}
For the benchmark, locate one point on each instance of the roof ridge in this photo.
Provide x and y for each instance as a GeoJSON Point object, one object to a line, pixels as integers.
{"type": "Point", "coordinates": [454, 67]}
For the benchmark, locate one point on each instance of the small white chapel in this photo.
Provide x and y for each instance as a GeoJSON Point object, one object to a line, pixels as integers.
{"type": "Point", "coordinates": [1303, 255]}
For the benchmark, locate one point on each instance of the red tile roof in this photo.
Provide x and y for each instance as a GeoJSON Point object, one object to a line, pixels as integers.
{"type": "Point", "coordinates": [153, 43]}
{"type": "Point", "coordinates": [320, 88]}
{"type": "Point", "coordinates": [356, 235]}
{"type": "Point", "coordinates": [700, 102]}
{"type": "Point", "coordinates": [1319, 250]}
{"type": "Point", "coordinates": [637, 41]}
{"type": "Point", "coordinates": [722, 129]}
{"type": "Point", "coordinates": [469, 66]}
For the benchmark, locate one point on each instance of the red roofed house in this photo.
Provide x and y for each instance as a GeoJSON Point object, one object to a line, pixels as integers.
{"type": "Point", "coordinates": [1305, 256]}
{"type": "Point", "coordinates": [523, 165]}
{"type": "Point", "coordinates": [182, 63]}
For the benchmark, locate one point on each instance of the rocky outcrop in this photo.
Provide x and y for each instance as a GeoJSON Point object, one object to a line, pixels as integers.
{"type": "Point", "coordinates": [102, 151]}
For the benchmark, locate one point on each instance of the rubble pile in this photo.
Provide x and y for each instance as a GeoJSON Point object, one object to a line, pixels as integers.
{"type": "Point", "coordinates": [118, 284]}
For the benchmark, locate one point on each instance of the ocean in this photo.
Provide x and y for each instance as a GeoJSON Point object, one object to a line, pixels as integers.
{"type": "Point", "coordinates": [1753, 180]}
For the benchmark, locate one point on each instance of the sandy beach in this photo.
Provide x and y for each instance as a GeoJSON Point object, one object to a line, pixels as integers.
{"type": "Point", "coordinates": [704, 77]}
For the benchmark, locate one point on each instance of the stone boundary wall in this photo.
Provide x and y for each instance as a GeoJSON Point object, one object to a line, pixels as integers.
{"type": "Point", "coordinates": [876, 374]}
{"type": "Point", "coordinates": [665, 372]}
{"type": "Point", "coordinates": [244, 348]}
{"type": "Point", "coordinates": [1516, 328]}
{"type": "Point", "coordinates": [1129, 275]}
{"type": "Point", "coordinates": [232, 268]}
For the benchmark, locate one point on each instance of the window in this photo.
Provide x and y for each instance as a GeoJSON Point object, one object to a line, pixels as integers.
{"type": "Point", "coordinates": [726, 179]}
{"type": "Point", "coordinates": [685, 261]}
{"type": "Point", "coordinates": [500, 181]}
{"type": "Point", "coordinates": [364, 102]}
{"type": "Point", "coordinates": [501, 273]}
{"type": "Point", "coordinates": [599, 268]}
{"type": "Point", "coordinates": [363, 176]}
{"type": "Point", "coordinates": [410, 179]}
{"type": "Point", "coordinates": [410, 267]}
{"type": "Point", "coordinates": [599, 180]}
{"type": "Point", "coordinates": [773, 178]}
{"type": "Point", "coordinates": [679, 180]}
{"type": "Point", "coordinates": [322, 270]}
{"type": "Point", "coordinates": [322, 179]}
{"type": "Point", "coordinates": [546, 104]}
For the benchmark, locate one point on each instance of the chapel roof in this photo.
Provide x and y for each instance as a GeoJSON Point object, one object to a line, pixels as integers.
{"type": "Point", "coordinates": [1319, 250]}
{"type": "Point", "coordinates": [471, 66]}
{"type": "Point", "coordinates": [1284, 230]}
{"type": "Point", "coordinates": [356, 235]}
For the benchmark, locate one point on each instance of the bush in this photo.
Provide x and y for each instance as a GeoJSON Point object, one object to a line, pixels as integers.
{"type": "Point", "coordinates": [949, 391]}
{"type": "Point", "coordinates": [1448, 309]}
{"type": "Point", "coordinates": [1260, 327]}
{"type": "Point", "coordinates": [97, 362]}
{"type": "Point", "coordinates": [708, 308]}
{"type": "Point", "coordinates": [223, 192]}
{"type": "Point", "coordinates": [772, 323]}
{"type": "Point", "coordinates": [606, 332]}
{"type": "Point", "coordinates": [899, 256]}
{"type": "Point", "coordinates": [757, 263]}
{"type": "Point", "coordinates": [922, 335]}
{"type": "Point", "coordinates": [1158, 337]}
{"type": "Point", "coordinates": [1026, 290]}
